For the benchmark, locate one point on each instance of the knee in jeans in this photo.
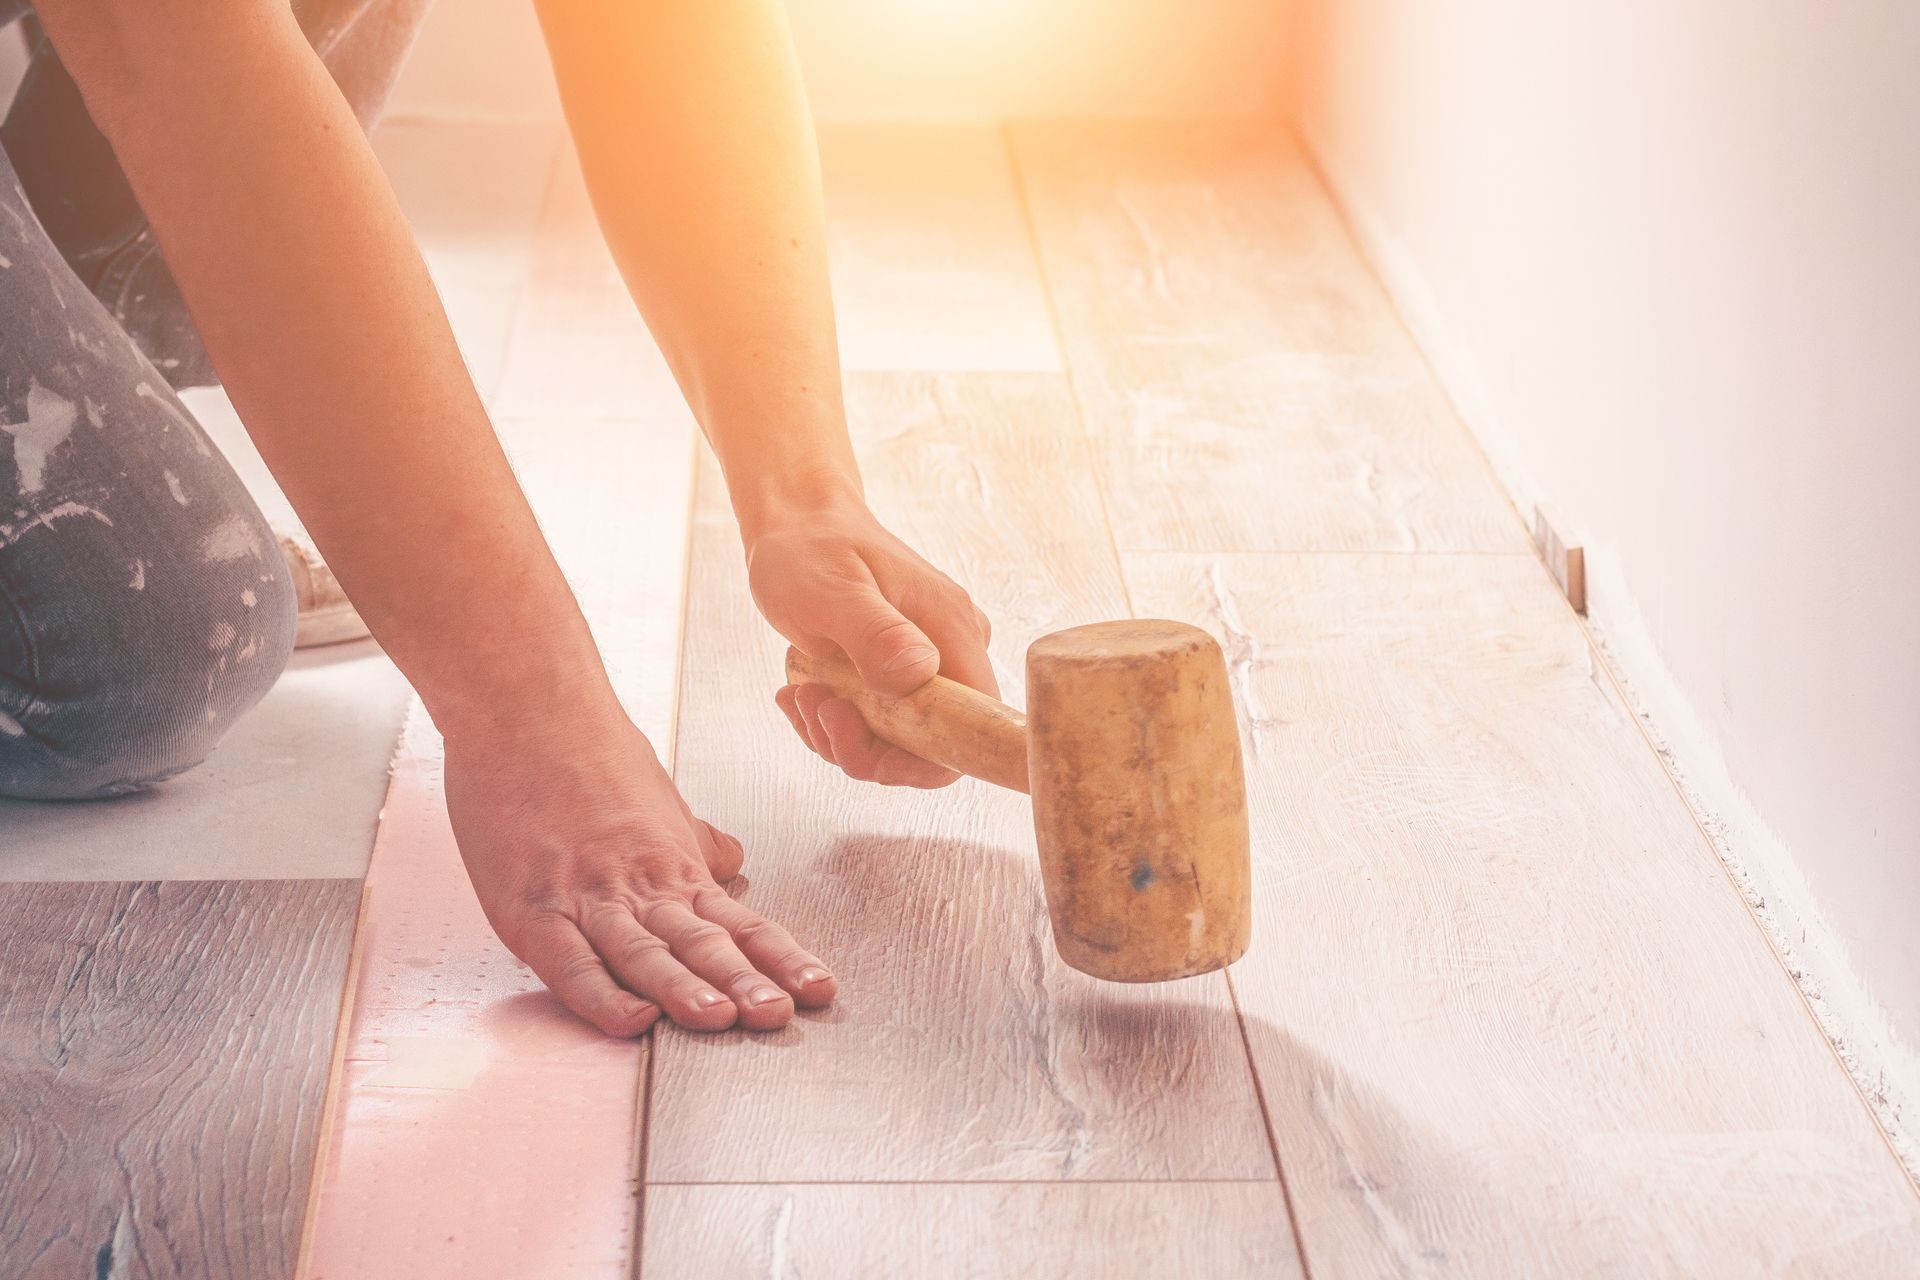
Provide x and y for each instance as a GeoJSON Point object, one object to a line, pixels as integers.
{"type": "Point", "coordinates": [131, 686]}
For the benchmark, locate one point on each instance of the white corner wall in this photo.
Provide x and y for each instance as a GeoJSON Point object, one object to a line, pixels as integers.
{"type": "Point", "coordinates": [1667, 259]}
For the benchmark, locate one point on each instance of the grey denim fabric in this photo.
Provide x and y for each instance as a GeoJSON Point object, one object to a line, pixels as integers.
{"type": "Point", "coordinates": [144, 603]}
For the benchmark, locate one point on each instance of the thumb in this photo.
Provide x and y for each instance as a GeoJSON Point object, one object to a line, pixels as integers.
{"type": "Point", "coordinates": [893, 655]}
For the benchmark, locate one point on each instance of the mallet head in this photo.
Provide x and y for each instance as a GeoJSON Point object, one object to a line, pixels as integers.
{"type": "Point", "coordinates": [1139, 799]}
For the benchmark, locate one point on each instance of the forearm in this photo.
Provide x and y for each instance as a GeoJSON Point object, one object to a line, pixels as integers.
{"type": "Point", "coordinates": [317, 310]}
{"type": "Point", "coordinates": [694, 133]}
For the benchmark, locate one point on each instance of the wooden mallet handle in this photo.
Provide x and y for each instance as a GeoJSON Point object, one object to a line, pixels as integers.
{"type": "Point", "coordinates": [942, 721]}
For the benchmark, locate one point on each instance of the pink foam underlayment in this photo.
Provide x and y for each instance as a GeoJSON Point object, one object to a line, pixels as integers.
{"type": "Point", "coordinates": [479, 1129]}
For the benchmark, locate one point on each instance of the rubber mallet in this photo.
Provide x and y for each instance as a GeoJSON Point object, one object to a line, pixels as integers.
{"type": "Point", "coordinates": [1131, 752]}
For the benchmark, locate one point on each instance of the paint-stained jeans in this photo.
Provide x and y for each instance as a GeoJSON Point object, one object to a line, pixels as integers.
{"type": "Point", "coordinates": [144, 602]}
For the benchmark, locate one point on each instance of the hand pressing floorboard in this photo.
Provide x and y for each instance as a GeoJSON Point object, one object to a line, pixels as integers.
{"type": "Point", "coordinates": [961, 1048]}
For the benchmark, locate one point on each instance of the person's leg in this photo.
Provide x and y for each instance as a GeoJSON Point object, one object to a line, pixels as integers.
{"type": "Point", "coordinates": [75, 185]}
{"type": "Point", "coordinates": [143, 602]}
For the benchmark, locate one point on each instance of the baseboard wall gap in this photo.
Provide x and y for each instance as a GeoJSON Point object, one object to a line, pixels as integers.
{"type": "Point", "coordinates": [1884, 1068]}
{"type": "Point", "coordinates": [1566, 561]}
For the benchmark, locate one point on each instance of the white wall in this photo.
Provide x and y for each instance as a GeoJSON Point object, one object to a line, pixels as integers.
{"type": "Point", "coordinates": [1667, 258]}
{"type": "Point", "coordinates": [918, 59]}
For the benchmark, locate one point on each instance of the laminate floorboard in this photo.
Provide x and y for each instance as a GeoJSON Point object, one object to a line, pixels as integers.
{"type": "Point", "coordinates": [163, 1060]}
{"type": "Point", "coordinates": [1510, 1016]}
{"type": "Point", "coordinates": [936, 1231]}
{"type": "Point", "coordinates": [1245, 382]}
{"type": "Point", "coordinates": [933, 269]}
{"type": "Point", "coordinates": [961, 1048]}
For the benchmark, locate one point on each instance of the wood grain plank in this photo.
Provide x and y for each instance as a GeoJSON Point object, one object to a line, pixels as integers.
{"type": "Point", "coordinates": [1510, 1016]}
{"type": "Point", "coordinates": [1034, 1231]}
{"type": "Point", "coordinates": [163, 1056]}
{"type": "Point", "coordinates": [933, 269]}
{"type": "Point", "coordinates": [1245, 381]}
{"type": "Point", "coordinates": [961, 1048]}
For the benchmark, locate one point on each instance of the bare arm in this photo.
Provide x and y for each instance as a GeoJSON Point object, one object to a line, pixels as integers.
{"type": "Point", "coordinates": [319, 315]}
{"type": "Point", "coordinates": [694, 132]}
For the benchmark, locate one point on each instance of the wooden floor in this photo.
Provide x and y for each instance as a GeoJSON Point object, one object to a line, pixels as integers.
{"type": "Point", "coordinates": [1503, 1015]}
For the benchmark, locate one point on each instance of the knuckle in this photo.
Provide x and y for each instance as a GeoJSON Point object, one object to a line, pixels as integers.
{"type": "Point", "coordinates": [641, 948]}
{"type": "Point", "coordinates": [703, 934]}
{"type": "Point", "coordinates": [683, 987]}
{"type": "Point", "coordinates": [602, 905]}
{"type": "Point", "coordinates": [716, 904]}
{"type": "Point", "coordinates": [884, 626]}
{"type": "Point", "coordinates": [577, 967]}
{"type": "Point", "coordinates": [756, 929]}
{"type": "Point", "coordinates": [791, 958]}
{"type": "Point", "coordinates": [544, 910]}
{"type": "Point", "coordinates": [532, 934]}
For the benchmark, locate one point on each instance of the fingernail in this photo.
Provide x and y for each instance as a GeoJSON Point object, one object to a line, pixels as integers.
{"type": "Point", "coordinates": [708, 999]}
{"type": "Point", "coordinates": [910, 658]}
{"type": "Point", "coordinates": [762, 995]}
{"type": "Point", "coordinates": [810, 976]}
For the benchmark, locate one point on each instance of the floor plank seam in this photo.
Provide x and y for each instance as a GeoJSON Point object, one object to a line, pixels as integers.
{"type": "Point", "coordinates": [1266, 1122]}
{"type": "Point", "coordinates": [556, 167]}
{"type": "Point", "coordinates": [686, 596]}
{"type": "Point", "coordinates": [643, 1105]}
{"type": "Point", "coordinates": [1074, 398]}
{"type": "Point", "coordinates": [330, 1099]}
{"type": "Point", "coordinates": [643, 1114]}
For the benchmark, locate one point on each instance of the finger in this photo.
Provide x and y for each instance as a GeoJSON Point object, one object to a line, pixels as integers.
{"type": "Point", "coordinates": [806, 700]}
{"type": "Point", "coordinates": [771, 949]}
{"type": "Point", "coordinates": [851, 745]}
{"type": "Point", "coordinates": [724, 854]}
{"type": "Point", "coordinates": [559, 956]}
{"type": "Point", "coordinates": [893, 655]}
{"type": "Point", "coordinates": [783, 698]}
{"type": "Point", "coordinates": [869, 758]}
{"type": "Point", "coordinates": [709, 950]}
{"type": "Point", "coordinates": [645, 965]}
{"type": "Point", "coordinates": [956, 628]}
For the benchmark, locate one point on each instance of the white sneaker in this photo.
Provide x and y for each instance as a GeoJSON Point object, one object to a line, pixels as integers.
{"type": "Point", "coordinates": [326, 615]}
